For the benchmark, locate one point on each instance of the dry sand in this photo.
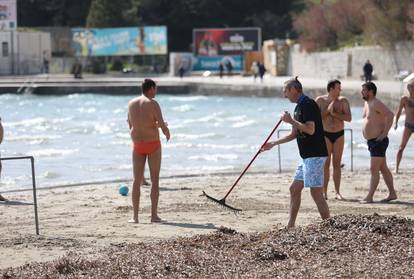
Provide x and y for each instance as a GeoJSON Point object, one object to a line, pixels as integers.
{"type": "Point", "coordinates": [84, 219]}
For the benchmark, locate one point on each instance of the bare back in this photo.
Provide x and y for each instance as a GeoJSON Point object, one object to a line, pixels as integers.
{"type": "Point", "coordinates": [374, 119]}
{"type": "Point", "coordinates": [143, 117]}
{"type": "Point", "coordinates": [330, 123]}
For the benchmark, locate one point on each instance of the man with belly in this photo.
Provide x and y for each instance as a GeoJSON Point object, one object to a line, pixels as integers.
{"type": "Point", "coordinates": [144, 119]}
{"type": "Point", "coordinates": [406, 103]}
{"type": "Point", "coordinates": [377, 121]}
{"type": "Point", "coordinates": [334, 110]}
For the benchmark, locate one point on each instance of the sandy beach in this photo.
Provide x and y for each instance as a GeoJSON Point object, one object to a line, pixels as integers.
{"type": "Point", "coordinates": [84, 219]}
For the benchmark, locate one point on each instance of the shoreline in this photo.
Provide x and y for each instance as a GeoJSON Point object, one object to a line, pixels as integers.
{"type": "Point", "coordinates": [389, 91]}
{"type": "Point", "coordinates": [89, 218]}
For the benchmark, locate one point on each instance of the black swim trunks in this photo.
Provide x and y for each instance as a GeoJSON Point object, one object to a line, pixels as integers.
{"type": "Point", "coordinates": [333, 136]}
{"type": "Point", "coordinates": [378, 148]}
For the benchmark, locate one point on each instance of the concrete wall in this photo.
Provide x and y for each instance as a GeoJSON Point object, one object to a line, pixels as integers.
{"type": "Point", "coordinates": [349, 62]}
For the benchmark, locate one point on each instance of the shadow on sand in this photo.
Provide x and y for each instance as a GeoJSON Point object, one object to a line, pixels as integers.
{"type": "Point", "coordinates": [15, 203]}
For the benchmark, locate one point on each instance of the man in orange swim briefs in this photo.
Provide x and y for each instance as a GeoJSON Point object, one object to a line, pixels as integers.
{"type": "Point", "coordinates": [144, 119]}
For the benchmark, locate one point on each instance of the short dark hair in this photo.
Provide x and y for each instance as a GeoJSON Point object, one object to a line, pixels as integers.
{"type": "Point", "coordinates": [370, 86]}
{"type": "Point", "coordinates": [147, 85]}
{"type": "Point", "coordinates": [295, 83]}
{"type": "Point", "coordinates": [332, 83]}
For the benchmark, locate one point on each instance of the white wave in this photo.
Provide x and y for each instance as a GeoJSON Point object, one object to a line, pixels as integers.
{"type": "Point", "coordinates": [243, 124]}
{"type": "Point", "coordinates": [33, 139]}
{"type": "Point", "coordinates": [103, 128]}
{"type": "Point", "coordinates": [86, 110]}
{"type": "Point", "coordinates": [178, 144]}
{"type": "Point", "coordinates": [221, 146]}
{"type": "Point", "coordinates": [52, 152]}
{"type": "Point", "coordinates": [188, 99]}
{"type": "Point", "coordinates": [50, 174]}
{"type": "Point", "coordinates": [214, 157]}
{"type": "Point", "coordinates": [200, 136]}
{"type": "Point", "coordinates": [183, 108]}
{"type": "Point", "coordinates": [27, 122]}
{"type": "Point", "coordinates": [237, 118]}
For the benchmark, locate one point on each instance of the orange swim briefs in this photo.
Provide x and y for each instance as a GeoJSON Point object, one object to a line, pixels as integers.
{"type": "Point", "coordinates": [146, 148]}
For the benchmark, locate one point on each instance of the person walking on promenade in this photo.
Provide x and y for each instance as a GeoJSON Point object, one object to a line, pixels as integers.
{"type": "Point", "coordinates": [1, 140]}
{"type": "Point", "coordinates": [307, 129]}
{"type": "Point", "coordinates": [368, 69]}
{"type": "Point", "coordinates": [262, 70]}
{"type": "Point", "coordinates": [406, 103]}
{"type": "Point", "coordinates": [144, 118]}
{"type": "Point", "coordinates": [335, 111]}
{"type": "Point", "coordinates": [221, 69]}
{"type": "Point", "coordinates": [377, 121]}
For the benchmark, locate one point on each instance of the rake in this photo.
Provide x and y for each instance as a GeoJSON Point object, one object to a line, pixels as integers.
{"type": "Point", "coordinates": [222, 202]}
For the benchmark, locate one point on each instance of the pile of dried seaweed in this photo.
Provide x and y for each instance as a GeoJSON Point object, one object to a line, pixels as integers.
{"type": "Point", "coordinates": [345, 246]}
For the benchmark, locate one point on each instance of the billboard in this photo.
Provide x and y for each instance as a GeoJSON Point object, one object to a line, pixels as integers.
{"type": "Point", "coordinates": [149, 40]}
{"type": "Point", "coordinates": [8, 18]}
{"type": "Point", "coordinates": [212, 63]}
{"type": "Point", "coordinates": [226, 41]}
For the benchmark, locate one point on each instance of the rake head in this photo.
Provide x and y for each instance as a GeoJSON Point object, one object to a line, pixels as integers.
{"type": "Point", "coordinates": [222, 202]}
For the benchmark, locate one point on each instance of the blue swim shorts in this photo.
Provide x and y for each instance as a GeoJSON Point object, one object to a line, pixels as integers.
{"type": "Point", "coordinates": [310, 171]}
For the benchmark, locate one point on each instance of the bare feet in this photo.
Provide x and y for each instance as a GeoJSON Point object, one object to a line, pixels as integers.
{"type": "Point", "coordinates": [339, 197]}
{"type": "Point", "coordinates": [389, 198]}
{"type": "Point", "coordinates": [3, 198]}
{"type": "Point", "coordinates": [156, 219]}
{"type": "Point", "coordinates": [133, 221]}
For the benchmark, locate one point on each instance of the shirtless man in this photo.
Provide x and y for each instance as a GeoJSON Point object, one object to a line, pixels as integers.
{"type": "Point", "coordinates": [334, 110]}
{"type": "Point", "coordinates": [377, 121]}
{"type": "Point", "coordinates": [406, 103]}
{"type": "Point", "coordinates": [144, 118]}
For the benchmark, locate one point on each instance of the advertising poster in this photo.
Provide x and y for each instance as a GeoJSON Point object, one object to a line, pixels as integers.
{"type": "Point", "coordinates": [150, 40]}
{"type": "Point", "coordinates": [8, 18]}
{"type": "Point", "coordinates": [226, 41]}
{"type": "Point", "coordinates": [212, 63]}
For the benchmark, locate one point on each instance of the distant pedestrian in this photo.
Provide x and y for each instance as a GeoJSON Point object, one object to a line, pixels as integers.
{"type": "Point", "coordinates": [181, 71]}
{"type": "Point", "coordinates": [368, 69]}
{"type": "Point", "coordinates": [229, 67]}
{"type": "Point", "coordinates": [262, 71]}
{"type": "Point", "coordinates": [45, 63]}
{"type": "Point", "coordinates": [254, 69]}
{"type": "Point", "coordinates": [221, 69]}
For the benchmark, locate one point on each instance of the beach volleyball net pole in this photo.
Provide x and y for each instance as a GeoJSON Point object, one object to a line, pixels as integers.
{"type": "Point", "coordinates": [31, 158]}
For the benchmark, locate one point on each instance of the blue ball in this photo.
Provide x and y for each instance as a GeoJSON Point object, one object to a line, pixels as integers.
{"type": "Point", "coordinates": [123, 190]}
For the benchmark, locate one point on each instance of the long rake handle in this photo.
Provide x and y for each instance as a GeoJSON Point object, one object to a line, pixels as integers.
{"type": "Point", "coordinates": [258, 152]}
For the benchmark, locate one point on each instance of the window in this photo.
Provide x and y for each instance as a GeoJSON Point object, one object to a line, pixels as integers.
{"type": "Point", "coordinates": [5, 49]}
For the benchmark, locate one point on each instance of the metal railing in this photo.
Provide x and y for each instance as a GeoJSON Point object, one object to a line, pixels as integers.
{"type": "Point", "coordinates": [288, 130]}
{"type": "Point", "coordinates": [33, 182]}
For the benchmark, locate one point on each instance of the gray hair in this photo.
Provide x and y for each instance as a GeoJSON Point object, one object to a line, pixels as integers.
{"type": "Point", "coordinates": [295, 83]}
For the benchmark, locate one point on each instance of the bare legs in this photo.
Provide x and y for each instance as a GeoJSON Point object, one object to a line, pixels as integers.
{"type": "Point", "coordinates": [295, 200]}
{"type": "Point", "coordinates": [335, 152]}
{"type": "Point", "coordinates": [138, 164]}
{"type": "Point", "coordinates": [154, 162]}
{"type": "Point", "coordinates": [379, 164]}
{"type": "Point", "coordinates": [406, 136]}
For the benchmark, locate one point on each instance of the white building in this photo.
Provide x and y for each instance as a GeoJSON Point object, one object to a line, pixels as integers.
{"type": "Point", "coordinates": [23, 53]}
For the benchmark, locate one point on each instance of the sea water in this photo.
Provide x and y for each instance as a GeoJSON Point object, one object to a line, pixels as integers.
{"type": "Point", "coordinates": [82, 138]}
